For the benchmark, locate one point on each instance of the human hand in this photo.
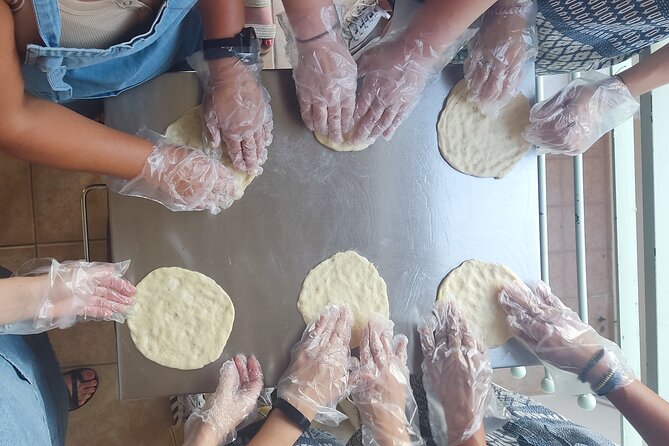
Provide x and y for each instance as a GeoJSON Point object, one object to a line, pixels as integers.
{"type": "Point", "coordinates": [456, 373]}
{"type": "Point", "coordinates": [239, 387]}
{"type": "Point", "coordinates": [236, 110]}
{"type": "Point", "coordinates": [381, 390]}
{"type": "Point", "coordinates": [317, 378]}
{"type": "Point", "coordinates": [558, 336]}
{"type": "Point", "coordinates": [182, 178]}
{"type": "Point", "coordinates": [71, 292]}
{"type": "Point", "coordinates": [500, 53]}
{"type": "Point", "coordinates": [571, 120]}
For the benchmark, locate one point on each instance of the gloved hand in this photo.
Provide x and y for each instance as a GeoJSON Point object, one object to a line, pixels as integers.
{"type": "Point", "coordinates": [235, 399]}
{"type": "Point", "coordinates": [317, 378]}
{"type": "Point", "coordinates": [394, 73]}
{"type": "Point", "coordinates": [571, 120]}
{"type": "Point", "coordinates": [70, 292]}
{"type": "Point", "coordinates": [499, 54]}
{"type": "Point", "coordinates": [456, 374]}
{"type": "Point", "coordinates": [381, 389]}
{"type": "Point", "coordinates": [236, 110]}
{"type": "Point", "coordinates": [182, 178]}
{"type": "Point", "coordinates": [558, 337]}
{"type": "Point", "coordinates": [324, 72]}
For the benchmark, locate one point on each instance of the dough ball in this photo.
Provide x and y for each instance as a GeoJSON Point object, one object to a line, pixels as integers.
{"type": "Point", "coordinates": [341, 146]}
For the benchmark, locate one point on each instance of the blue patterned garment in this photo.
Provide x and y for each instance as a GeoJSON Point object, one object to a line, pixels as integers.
{"type": "Point", "coordinates": [582, 35]}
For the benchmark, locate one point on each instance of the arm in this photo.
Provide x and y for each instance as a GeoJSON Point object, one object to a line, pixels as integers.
{"type": "Point", "coordinates": [277, 431]}
{"type": "Point", "coordinates": [645, 410]}
{"type": "Point", "coordinates": [221, 19]}
{"type": "Point", "coordinates": [19, 296]}
{"type": "Point", "coordinates": [652, 72]}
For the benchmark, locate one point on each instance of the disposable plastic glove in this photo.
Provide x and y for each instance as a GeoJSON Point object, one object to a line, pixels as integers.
{"type": "Point", "coordinates": [182, 178]}
{"type": "Point", "coordinates": [382, 392]}
{"type": "Point", "coordinates": [235, 109]}
{"type": "Point", "coordinates": [72, 292]}
{"type": "Point", "coordinates": [239, 387]}
{"type": "Point", "coordinates": [571, 120]}
{"type": "Point", "coordinates": [318, 376]}
{"type": "Point", "coordinates": [394, 73]}
{"type": "Point", "coordinates": [325, 74]}
{"type": "Point", "coordinates": [499, 54]}
{"type": "Point", "coordinates": [456, 375]}
{"type": "Point", "coordinates": [558, 336]}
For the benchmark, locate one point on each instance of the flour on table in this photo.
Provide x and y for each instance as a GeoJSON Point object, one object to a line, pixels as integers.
{"type": "Point", "coordinates": [341, 146]}
{"type": "Point", "coordinates": [345, 278]}
{"type": "Point", "coordinates": [480, 145]}
{"type": "Point", "coordinates": [475, 285]}
{"type": "Point", "coordinates": [182, 319]}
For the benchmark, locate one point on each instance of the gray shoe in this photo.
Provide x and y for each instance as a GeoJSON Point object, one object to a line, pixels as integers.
{"type": "Point", "coordinates": [364, 24]}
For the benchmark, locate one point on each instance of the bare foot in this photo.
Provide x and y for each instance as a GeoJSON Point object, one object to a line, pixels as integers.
{"type": "Point", "coordinates": [86, 386]}
{"type": "Point", "coordinates": [261, 16]}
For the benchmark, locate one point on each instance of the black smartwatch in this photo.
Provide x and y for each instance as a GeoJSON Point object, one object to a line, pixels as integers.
{"type": "Point", "coordinates": [244, 45]}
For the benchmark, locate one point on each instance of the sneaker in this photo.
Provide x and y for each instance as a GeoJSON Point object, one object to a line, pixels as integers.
{"type": "Point", "coordinates": [364, 24]}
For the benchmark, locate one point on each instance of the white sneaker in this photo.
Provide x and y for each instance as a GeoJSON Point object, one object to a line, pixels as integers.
{"type": "Point", "coordinates": [364, 24]}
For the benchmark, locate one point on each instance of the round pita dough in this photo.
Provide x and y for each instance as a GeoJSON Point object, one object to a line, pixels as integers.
{"type": "Point", "coordinates": [345, 278]}
{"type": "Point", "coordinates": [480, 145]}
{"type": "Point", "coordinates": [475, 285]}
{"type": "Point", "coordinates": [181, 319]}
{"type": "Point", "coordinates": [341, 146]}
{"type": "Point", "coordinates": [187, 130]}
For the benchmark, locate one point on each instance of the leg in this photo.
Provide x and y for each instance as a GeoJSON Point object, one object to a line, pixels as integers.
{"type": "Point", "coordinates": [259, 15]}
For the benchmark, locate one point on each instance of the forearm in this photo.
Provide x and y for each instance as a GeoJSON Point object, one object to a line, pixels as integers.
{"type": "Point", "coordinates": [277, 431]}
{"type": "Point", "coordinates": [478, 439]}
{"type": "Point", "coordinates": [20, 297]}
{"type": "Point", "coordinates": [199, 433]}
{"type": "Point", "coordinates": [306, 17]}
{"type": "Point", "coordinates": [221, 19]}
{"type": "Point", "coordinates": [652, 72]}
{"type": "Point", "coordinates": [645, 410]}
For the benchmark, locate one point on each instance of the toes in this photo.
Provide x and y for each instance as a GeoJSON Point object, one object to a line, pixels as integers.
{"type": "Point", "coordinates": [87, 374]}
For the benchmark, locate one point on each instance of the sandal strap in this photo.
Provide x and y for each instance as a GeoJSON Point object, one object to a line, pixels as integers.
{"type": "Point", "coordinates": [257, 3]}
{"type": "Point", "coordinates": [263, 31]}
{"type": "Point", "coordinates": [74, 396]}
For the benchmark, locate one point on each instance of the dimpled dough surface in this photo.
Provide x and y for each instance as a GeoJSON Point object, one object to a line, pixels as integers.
{"type": "Point", "coordinates": [475, 285]}
{"type": "Point", "coordinates": [345, 278]}
{"type": "Point", "coordinates": [182, 319]}
{"type": "Point", "coordinates": [480, 145]}
{"type": "Point", "coordinates": [187, 130]}
{"type": "Point", "coordinates": [340, 146]}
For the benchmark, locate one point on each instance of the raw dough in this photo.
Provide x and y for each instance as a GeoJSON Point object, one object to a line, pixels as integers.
{"type": "Point", "coordinates": [480, 145]}
{"type": "Point", "coordinates": [476, 285]}
{"type": "Point", "coordinates": [341, 146]}
{"type": "Point", "coordinates": [187, 130]}
{"type": "Point", "coordinates": [345, 278]}
{"type": "Point", "coordinates": [182, 319]}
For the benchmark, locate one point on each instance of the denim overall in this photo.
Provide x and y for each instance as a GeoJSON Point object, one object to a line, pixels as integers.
{"type": "Point", "coordinates": [67, 74]}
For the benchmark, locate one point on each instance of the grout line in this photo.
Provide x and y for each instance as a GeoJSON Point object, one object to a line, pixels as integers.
{"type": "Point", "coordinates": [67, 367]}
{"type": "Point", "coordinates": [32, 206]}
{"type": "Point", "coordinates": [30, 245]}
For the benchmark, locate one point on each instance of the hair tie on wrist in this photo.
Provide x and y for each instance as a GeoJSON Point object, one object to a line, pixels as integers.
{"type": "Point", "coordinates": [583, 376]}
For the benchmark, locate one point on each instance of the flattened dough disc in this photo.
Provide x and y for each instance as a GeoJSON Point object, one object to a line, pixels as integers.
{"type": "Point", "coordinates": [341, 146]}
{"type": "Point", "coordinates": [345, 278]}
{"type": "Point", "coordinates": [475, 285]}
{"type": "Point", "coordinates": [480, 145]}
{"type": "Point", "coordinates": [187, 130]}
{"type": "Point", "coordinates": [182, 319]}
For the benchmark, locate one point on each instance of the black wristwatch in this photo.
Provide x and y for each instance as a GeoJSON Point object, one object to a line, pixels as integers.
{"type": "Point", "coordinates": [244, 45]}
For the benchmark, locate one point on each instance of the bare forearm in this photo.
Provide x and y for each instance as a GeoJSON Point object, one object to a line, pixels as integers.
{"type": "Point", "coordinates": [19, 296]}
{"type": "Point", "coordinates": [652, 72]}
{"type": "Point", "coordinates": [277, 431]}
{"type": "Point", "coordinates": [645, 410]}
{"type": "Point", "coordinates": [221, 19]}
{"type": "Point", "coordinates": [478, 439]}
{"type": "Point", "coordinates": [306, 17]}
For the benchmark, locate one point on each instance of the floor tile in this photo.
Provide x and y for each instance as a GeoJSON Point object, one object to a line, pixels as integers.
{"type": "Point", "coordinates": [16, 218]}
{"type": "Point", "coordinates": [74, 251]}
{"type": "Point", "coordinates": [15, 256]}
{"type": "Point", "coordinates": [90, 343]}
{"type": "Point", "coordinates": [555, 237]}
{"type": "Point", "coordinates": [106, 421]}
{"type": "Point", "coordinates": [598, 226]}
{"type": "Point", "coordinates": [600, 272]}
{"type": "Point", "coordinates": [597, 185]}
{"type": "Point", "coordinates": [57, 196]}
{"type": "Point", "coordinates": [553, 181]}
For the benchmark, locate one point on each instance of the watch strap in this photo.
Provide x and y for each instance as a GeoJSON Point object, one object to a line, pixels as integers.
{"type": "Point", "coordinates": [292, 414]}
{"type": "Point", "coordinates": [244, 45]}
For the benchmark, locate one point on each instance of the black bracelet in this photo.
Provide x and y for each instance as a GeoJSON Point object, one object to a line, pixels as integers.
{"type": "Point", "coordinates": [583, 376]}
{"type": "Point", "coordinates": [292, 414]}
{"type": "Point", "coordinates": [311, 39]}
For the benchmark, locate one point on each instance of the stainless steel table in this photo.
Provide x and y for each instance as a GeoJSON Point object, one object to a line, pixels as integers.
{"type": "Point", "coordinates": [397, 203]}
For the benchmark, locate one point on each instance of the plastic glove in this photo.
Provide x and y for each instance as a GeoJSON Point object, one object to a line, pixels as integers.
{"type": "Point", "coordinates": [382, 392]}
{"type": "Point", "coordinates": [571, 120]}
{"type": "Point", "coordinates": [499, 54]}
{"type": "Point", "coordinates": [317, 378]}
{"type": "Point", "coordinates": [182, 178]}
{"type": "Point", "coordinates": [236, 110]}
{"type": "Point", "coordinates": [394, 73]}
{"type": "Point", "coordinates": [325, 73]}
{"type": "Point", "coordinates": [239, 387]}
{"type": "Point", "coordinates": [72, 292]}
{"type": "Point", "coordinates": [456, 374]}
{"type": "Point", "coordinates": [558, 336]}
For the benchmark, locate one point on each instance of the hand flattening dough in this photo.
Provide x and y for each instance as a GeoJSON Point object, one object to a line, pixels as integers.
{"type": "Point", "coordinates": [475, 285]}
{"type": "Point", "coordinates": [345, 278]}
{"type": "Point", "coordinates": [480, 145]}
{"type": "Point", "coordinates": [182, 319]}
{"type": "Point", "coordinates": [341, 146]}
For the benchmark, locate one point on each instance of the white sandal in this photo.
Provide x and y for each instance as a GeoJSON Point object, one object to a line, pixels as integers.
{"type": "Point", "coordinates": [263, 32]}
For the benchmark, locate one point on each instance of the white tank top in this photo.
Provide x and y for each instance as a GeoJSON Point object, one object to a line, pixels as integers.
{"type": "Point", "coordinates": [101, 23]}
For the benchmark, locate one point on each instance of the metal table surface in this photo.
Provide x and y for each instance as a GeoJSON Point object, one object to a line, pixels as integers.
{"type": "Point", "coordinates": [397, 203]}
